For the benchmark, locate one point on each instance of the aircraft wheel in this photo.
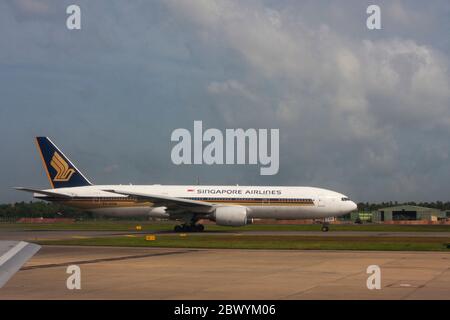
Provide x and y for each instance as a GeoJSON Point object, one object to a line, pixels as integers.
{"type": "Point", "coordinates": [197, 228]}
{"type": "Point", "coordinates": [325, 229]}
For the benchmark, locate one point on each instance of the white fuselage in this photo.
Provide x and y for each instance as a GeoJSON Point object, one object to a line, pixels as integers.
{"type": "Point", "coordinates": [265, 202]}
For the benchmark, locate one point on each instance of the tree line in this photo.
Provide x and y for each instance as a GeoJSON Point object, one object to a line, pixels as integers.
{"type": "Point", "coordinates": [38, 209]}
{"type": "Point", "coordinates": [440, 205]}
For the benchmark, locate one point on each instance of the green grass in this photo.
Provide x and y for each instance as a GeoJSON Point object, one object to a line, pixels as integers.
{"type": "Point", "coordinates": [351, 227]}
{"type": "Point", "coordinates": [268, 242]}
{"type": "Point", "coordinates": [166, 226]}
{"type": "Point", "coordinates": [88, 226]}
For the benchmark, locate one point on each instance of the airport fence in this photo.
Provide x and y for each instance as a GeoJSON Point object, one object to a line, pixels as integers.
{"type": "Point", "coordinates": [9, 219]}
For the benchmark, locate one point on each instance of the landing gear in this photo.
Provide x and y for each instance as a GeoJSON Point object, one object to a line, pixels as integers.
{"type": "Point", "coordinates": [325, 228]}
{"type": "Point", "coordinates": [200, 227]}
{"type": "Point", "coordinates": [324, 224]}
{"type": "Point", "coordinates": [189, 228]}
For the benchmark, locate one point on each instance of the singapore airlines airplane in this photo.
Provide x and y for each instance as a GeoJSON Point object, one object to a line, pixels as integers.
{"type": "Point", "coordinates": [226, 205]}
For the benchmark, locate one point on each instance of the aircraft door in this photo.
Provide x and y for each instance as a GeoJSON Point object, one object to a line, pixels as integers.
{"type": "Point", "coordinates": [321, 202]}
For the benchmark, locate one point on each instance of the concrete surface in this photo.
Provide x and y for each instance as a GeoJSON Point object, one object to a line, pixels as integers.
{"type": "Point", "coordinates": [38, 235]}
{"type": "Point", "coordinates": [153, 273]}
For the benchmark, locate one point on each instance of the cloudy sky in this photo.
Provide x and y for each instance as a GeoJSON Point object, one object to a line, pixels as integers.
{"type": "Point", "coordinates": [364, 112]}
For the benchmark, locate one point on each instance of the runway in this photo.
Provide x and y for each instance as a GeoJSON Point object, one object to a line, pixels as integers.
{"type": "Point", "coordinates": [155, 273]}
{"type": "Point", "coordinates": [43, 235]}
{"type": "Point", "coordinates": [38, 235]}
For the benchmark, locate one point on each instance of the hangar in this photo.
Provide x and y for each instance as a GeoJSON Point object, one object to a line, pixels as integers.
{"type": "Point", "coordinates": [398, 213]}
{"type": "Point", "coordinates": [407, 212]}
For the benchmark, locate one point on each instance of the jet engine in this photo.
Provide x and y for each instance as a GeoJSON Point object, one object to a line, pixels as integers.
{"type": "Point", "coordinates": [234, 216]}
{"type": "Point", "coordinates": [158, 212]}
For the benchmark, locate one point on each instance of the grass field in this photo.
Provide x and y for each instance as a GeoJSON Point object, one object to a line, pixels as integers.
{"type": "Point", "coordinates": [167, 226]}
{"type": "Point", "coordinates": [268, 242]}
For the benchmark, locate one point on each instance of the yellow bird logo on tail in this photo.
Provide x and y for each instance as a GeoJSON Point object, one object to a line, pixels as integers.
{"type": "Point", "coordinates": [63, 171]}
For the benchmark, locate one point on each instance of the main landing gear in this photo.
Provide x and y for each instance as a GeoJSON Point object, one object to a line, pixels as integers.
{"type": "Point", "coordinates": [189, 228]}
{"type": "Point", "coordinates": [325, 227]}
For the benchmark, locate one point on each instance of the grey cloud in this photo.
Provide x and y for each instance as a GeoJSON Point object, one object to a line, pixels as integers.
{"type": "Point", "coordinates": [362, 95]}
{"type": "Point", "coordinates": [365, 112]}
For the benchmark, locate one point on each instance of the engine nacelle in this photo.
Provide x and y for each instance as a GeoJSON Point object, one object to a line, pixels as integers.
{"type": "Point", "coordinates": [158, 212]}
{"type": "Point", "coordinates": [233, 216]}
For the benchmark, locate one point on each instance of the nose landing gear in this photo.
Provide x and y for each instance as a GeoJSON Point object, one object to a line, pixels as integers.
{"type": "Point", "coordinates": [325, 226]}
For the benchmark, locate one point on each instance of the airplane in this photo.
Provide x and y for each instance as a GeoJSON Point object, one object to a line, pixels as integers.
{"type": "Point", "coordinates": [14, 254]}
{"type": "Point", "coordinates": [226, 205]}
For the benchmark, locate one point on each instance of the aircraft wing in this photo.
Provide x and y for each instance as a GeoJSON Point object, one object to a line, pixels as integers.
{"type": "Point", "coordinates": [13, 254]}
{"type": "Point", "coordinates": [45, 193]}
{"type": "Point", "coordinates": [170, 202]}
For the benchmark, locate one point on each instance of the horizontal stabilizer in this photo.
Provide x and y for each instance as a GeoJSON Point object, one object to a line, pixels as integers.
{"type": "Point", "coordinates": [46, 193]}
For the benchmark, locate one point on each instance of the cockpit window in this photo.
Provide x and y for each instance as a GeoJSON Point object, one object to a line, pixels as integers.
{"type": "Point", "coordinates": [345, 199]}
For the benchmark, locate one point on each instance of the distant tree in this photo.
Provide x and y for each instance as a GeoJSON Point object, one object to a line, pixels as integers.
{"type": "Point", "coordinates": [367, 207]}
{"type": "Point", "coordinates": [39, 209]}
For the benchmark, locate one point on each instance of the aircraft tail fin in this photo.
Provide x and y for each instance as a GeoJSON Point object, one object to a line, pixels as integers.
{"type": "Point", "coordinates": [61, 172]}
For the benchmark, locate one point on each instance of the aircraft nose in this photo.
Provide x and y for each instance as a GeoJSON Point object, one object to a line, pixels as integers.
{"type": "Point", "coordinates": [353, 206]}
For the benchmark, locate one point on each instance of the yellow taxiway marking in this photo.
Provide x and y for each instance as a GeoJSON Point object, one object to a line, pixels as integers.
{"type": "Point", "coordinates": [130, 236]}
{"type": "Point", "coordinates": [79, 237]}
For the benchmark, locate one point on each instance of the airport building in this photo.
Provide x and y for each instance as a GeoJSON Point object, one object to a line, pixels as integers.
{"type": "Point", "coordinates": [408, 212]}
{"type": "Point", "coordinates": [400, 213]}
